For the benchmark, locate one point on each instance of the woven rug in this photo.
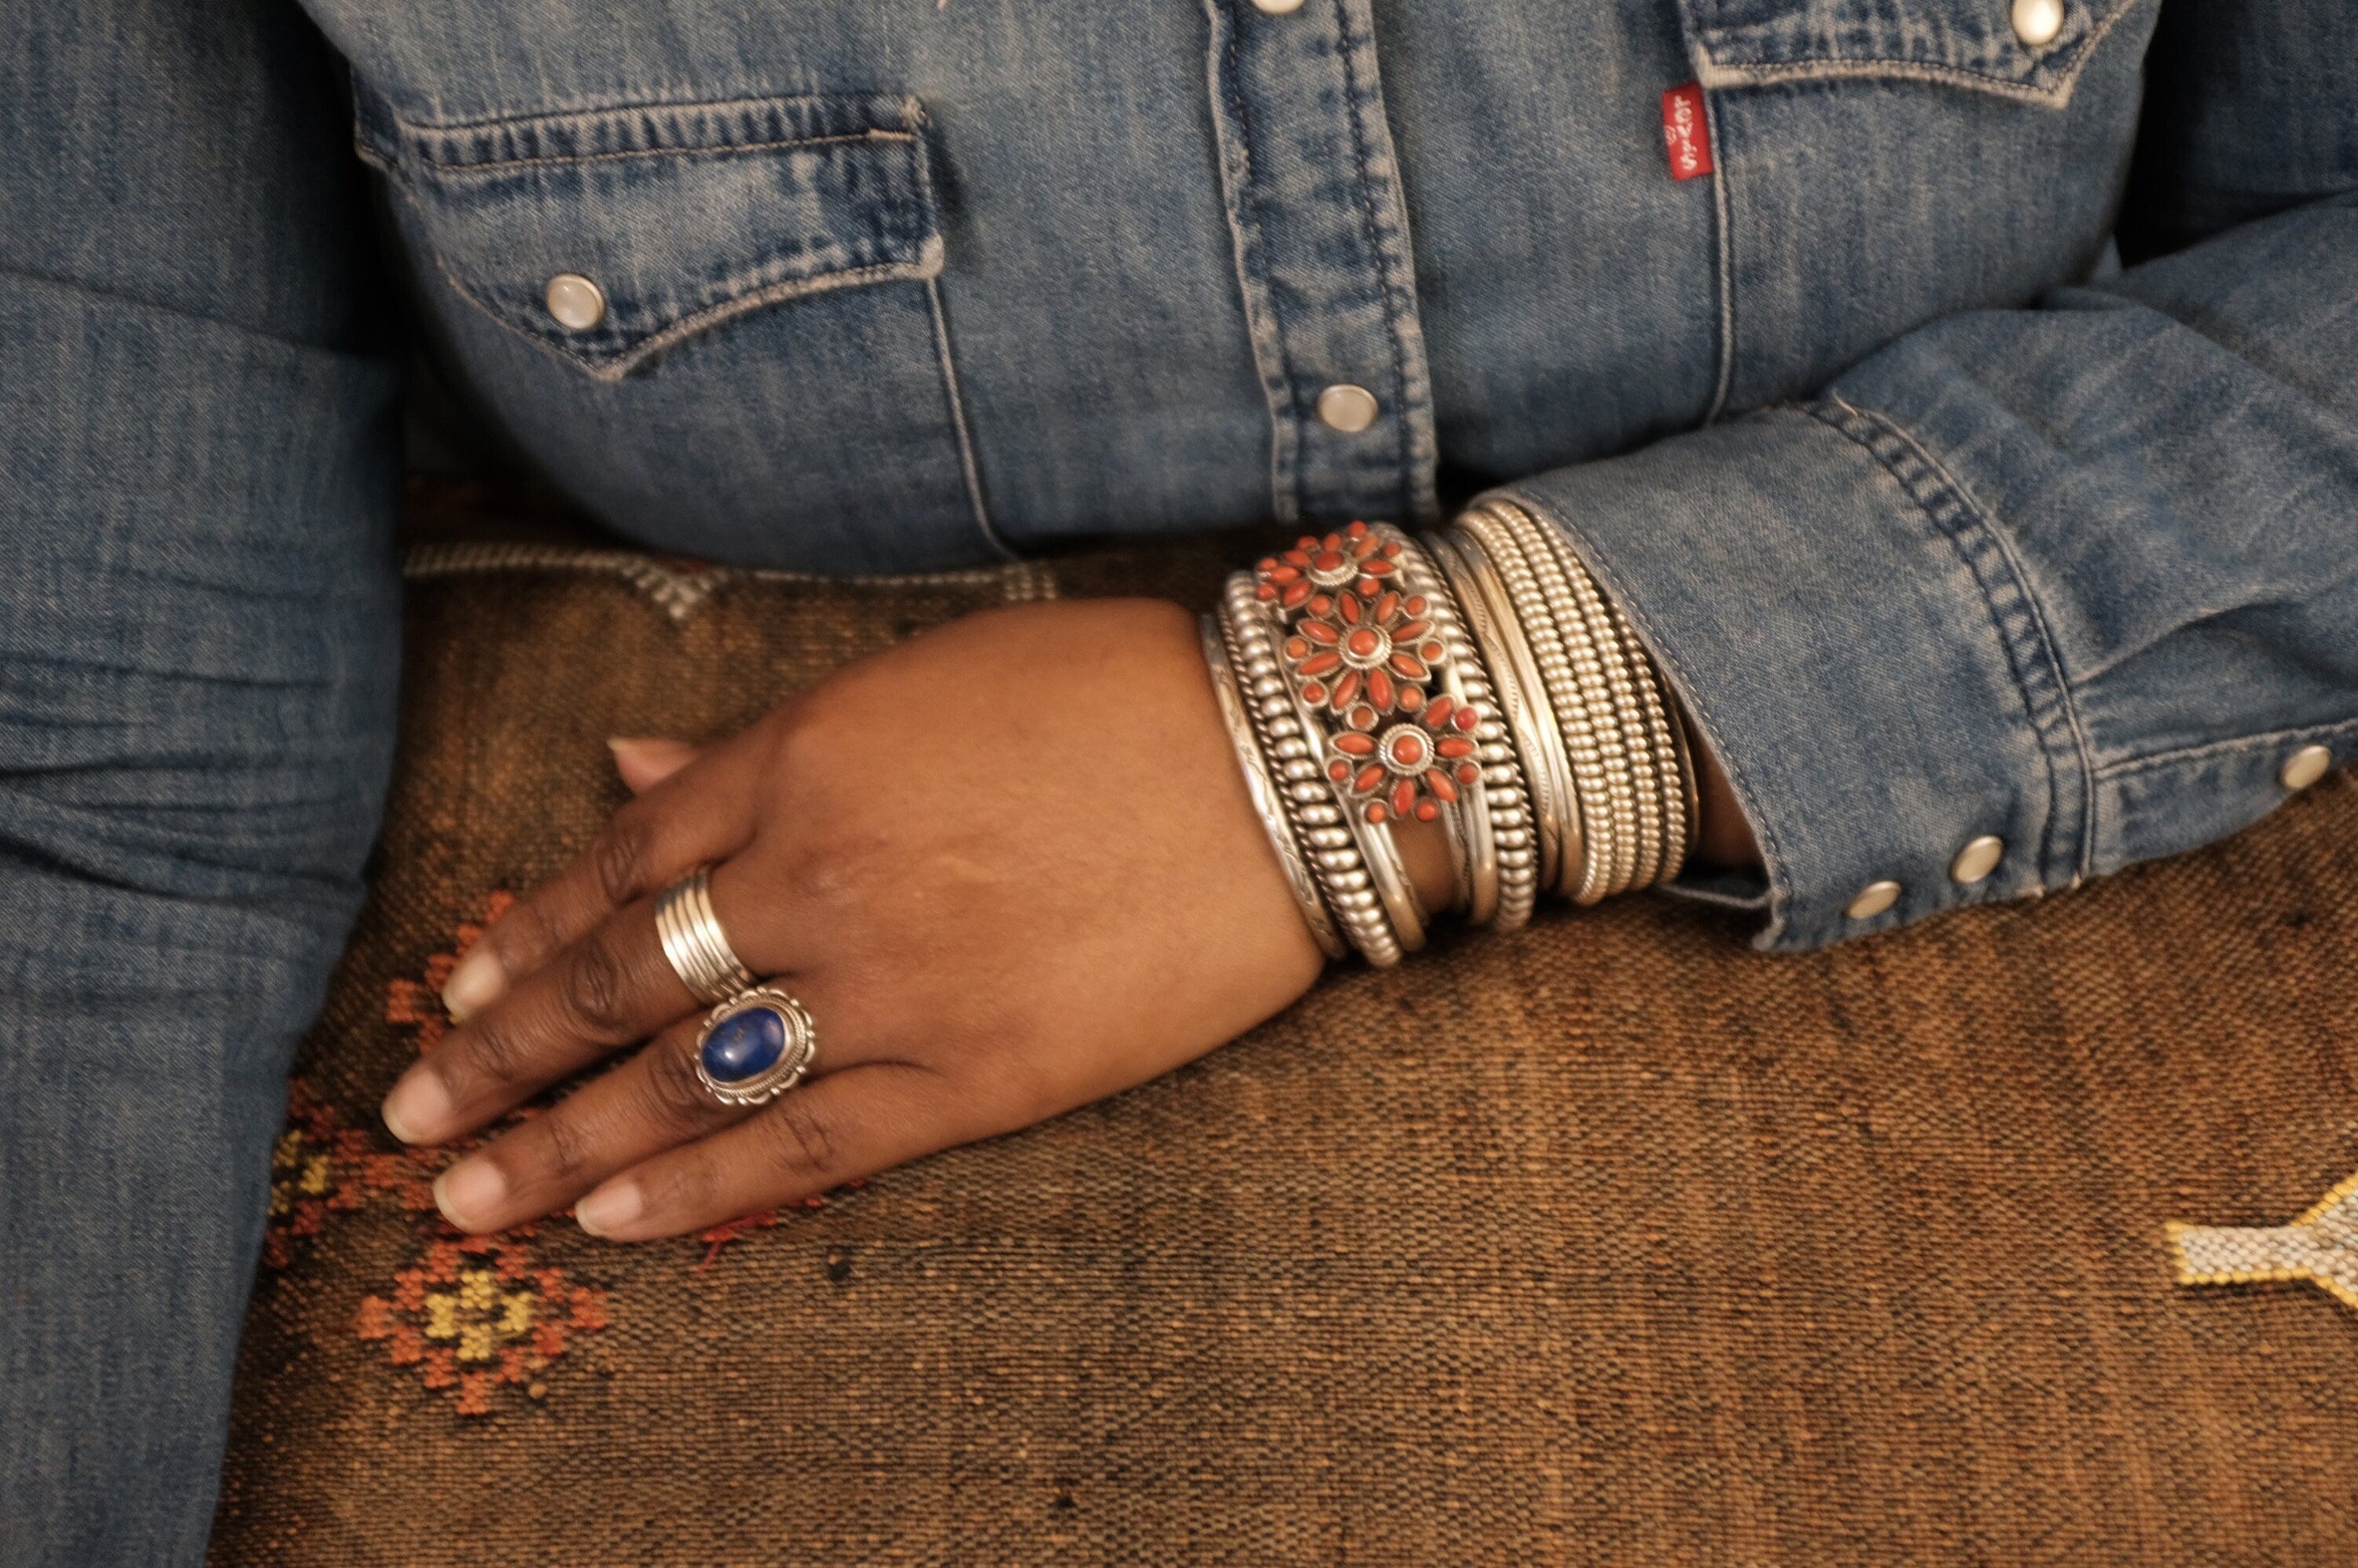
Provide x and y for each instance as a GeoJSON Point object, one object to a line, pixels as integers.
{"type": "Point", "coordinates": [1612, 1242]}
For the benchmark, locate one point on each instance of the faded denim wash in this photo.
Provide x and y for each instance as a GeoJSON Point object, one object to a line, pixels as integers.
{"type": "Point", "coordinates": [1941, 521]}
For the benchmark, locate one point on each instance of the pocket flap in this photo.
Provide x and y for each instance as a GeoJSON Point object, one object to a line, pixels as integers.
{"type": "Point", "coordinates": [680, 215]}
{"type": "Point", "coordinates": [1963, 43]}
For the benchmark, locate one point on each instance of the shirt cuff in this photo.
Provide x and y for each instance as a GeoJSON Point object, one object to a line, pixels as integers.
{"type": "Point", "coordinates": [1853, 641]}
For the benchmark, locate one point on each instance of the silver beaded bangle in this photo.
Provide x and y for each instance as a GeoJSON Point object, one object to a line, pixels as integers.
{"type": "Point", "coordinates": [1268, 803]}
{"type": "Point", "coordinates": [1326, 838]}
{"type": "Point", "coordinates": [1574, 681]}
{"type": "Point", "coordinates": [1626, 707]}
{"type": "Point", "coordinates": [1665, 779]}
{"type": "Point", "coordinates": [1620, 703]}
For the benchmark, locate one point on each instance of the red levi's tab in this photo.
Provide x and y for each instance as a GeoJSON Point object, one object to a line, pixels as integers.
{"type": "Point", "coordinates": [1686, 130]}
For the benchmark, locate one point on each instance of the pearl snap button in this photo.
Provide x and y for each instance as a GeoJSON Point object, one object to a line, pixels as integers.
{"type": "Point", "coordinates": [1977, 859]}
{"type": "Point", "coordinates": [1348, 408]}
{"type": "Point", "coordinates": [576, 302]}
{"type": "Point", "coordinates": [2036, 22]}
{"type": "Point", "coordinates": [1873, 899]}
{"type": "Point", "coordinates": [2305, 767]}
{"type": "Point", "coordinates": [1277, 8]}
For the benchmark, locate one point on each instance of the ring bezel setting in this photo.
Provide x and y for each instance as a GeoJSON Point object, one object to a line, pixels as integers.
{"type": "Point", "coordinates": [796, 1049]}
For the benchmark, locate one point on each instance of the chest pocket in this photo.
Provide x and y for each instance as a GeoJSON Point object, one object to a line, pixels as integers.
{"type": "Point", "coordinates": [2030, 49]}
{"type": "Point", "coordinates": [730, 302]}
{"type": "Point", "coordinates": [1886, 163]}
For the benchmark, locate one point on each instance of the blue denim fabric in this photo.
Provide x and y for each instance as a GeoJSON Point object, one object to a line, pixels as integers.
{"type": "Point", "coordinates": [1940, 522]}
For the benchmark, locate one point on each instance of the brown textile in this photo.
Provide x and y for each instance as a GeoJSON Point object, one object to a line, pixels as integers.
{"type": "Point", "coordinates": [1613, 1242]}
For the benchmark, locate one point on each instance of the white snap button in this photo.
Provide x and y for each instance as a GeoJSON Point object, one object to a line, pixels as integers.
{"type": "Point", "coordinates": [2036, 22]}
{"type": "Point", "coordinates": [576, 302]}
{"type": "Point", "coordinates": [1977, 859]}
{"type": "Point", "coordinates": [2305, 767]}
{"type": "Point", "coordinates": [1277, 8]}
{"type": "Point", "coordinates": [1348, 408]}
{"type": "Point", "coordinates": [1873, 899]}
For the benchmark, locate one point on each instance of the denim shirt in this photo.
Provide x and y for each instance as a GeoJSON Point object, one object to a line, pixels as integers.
{"type": "Point", "coordinates": [1941, 522]}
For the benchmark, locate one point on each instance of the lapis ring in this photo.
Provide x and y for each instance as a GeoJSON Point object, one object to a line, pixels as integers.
{"type": "Point", "coordinates": [755, 1046]}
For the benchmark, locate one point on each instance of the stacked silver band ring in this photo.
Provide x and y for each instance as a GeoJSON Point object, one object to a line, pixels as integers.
{"type": "Point", "coordinates": [694, 944]}
{"type": "Point", "coordinates": [759, 1041]}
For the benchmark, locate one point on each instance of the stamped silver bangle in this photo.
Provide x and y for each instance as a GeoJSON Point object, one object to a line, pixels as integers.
{"type": "Point", "coordinates": [1530, 851]}
{"type": "Point", "coordinates": [1528, 722]}
{"type": "Point", "coordinates": [1269, 805]}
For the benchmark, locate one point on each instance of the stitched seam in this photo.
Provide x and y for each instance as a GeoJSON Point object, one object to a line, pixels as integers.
{"type": "Point", "coordinates": [1772, 854]}
{"type": "Point", "coordinates": [1262, 330]}
{"type": "Point", "coordinates": [2045, 646]}
{"type": "Point", "coordinates": [426, 562]}
{"type": "Point", "coordinates": [958, 422]}
{"type": "Point", "coordinates": [791, 289]}
{"type": "Point", "coordinates": [1386, 283]}
{"type": "Point", "coordinates": [493, 166]}
{"type": "Point", "coordinates": [2058, 95]}
{"type": "Point", "coordinates": [2235, 746]}
{"type": "Point", "coordinates": [633, 107]}
{"type": "Point", "coordinates": [612, 370]}
{"type": "Point", "coordinates": [1727, 248]}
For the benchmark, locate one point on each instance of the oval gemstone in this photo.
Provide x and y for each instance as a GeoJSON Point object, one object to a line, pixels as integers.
{"type": "Point", "coordinates": [746, 1043]}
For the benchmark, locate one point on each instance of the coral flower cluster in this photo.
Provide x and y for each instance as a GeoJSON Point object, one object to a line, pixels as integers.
{"type": "Point", "coordinates": [1366, 652]}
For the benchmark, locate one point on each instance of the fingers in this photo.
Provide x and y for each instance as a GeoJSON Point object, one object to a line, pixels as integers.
{"type": "Point", "coordinates": [644, 762]}
{"type": "Point", "coordinates": [653, 1102]}
{"type": "Point", "coordinates": [848, 1124]}
{"type": "Point", "coordinates": [610, 988]}
{"type": "Point", "coordinates": [701, 812]}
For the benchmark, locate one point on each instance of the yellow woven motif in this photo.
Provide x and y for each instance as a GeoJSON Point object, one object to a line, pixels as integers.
{"type": "Point", "coordinates": [2320, 1247]}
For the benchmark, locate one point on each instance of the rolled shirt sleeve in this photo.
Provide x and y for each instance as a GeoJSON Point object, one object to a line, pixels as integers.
{"type": "Point", "coordinates": [2082, 577]}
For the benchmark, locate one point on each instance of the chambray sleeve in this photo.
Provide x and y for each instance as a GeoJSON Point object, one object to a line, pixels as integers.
{"type": "Point", "coordinates": [198, 613]}
{"type": "Point", "coordinates": [2082, 576]}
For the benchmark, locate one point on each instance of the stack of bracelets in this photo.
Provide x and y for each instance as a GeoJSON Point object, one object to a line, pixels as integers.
{"type": "Point", "coordinates": [1477, 680]}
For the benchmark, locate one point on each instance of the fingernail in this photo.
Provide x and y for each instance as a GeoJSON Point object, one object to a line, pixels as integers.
{"type": "Point", "coordinates": [468, 1193]}
{"type": "Point", "coordinates": [417, 1106]}
{"type": "Point", "coordinates": [609, 1208]}
{"type": "Point", "coordinates": [474, 985]}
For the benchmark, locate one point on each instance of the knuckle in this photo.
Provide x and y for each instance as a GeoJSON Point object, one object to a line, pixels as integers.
{"type": "Point", "coordinates": [674, 1094]}
{"type": "Point", "coordinates": [525, 937]}
{"type": "Point", "coordinates": [618, 860]}
{"type": "Point", "coordinates": [566, 1145]}
{"type": "Point", "coordinates": [597, 988]}
{"type": "Point", "coordinates": [800, 1139]}
{"type": "Point", "coordinates": [500, 1055]}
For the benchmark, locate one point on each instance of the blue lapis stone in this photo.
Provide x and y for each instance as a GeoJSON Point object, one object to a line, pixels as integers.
{"type": "Point", "coordinates": [745, 1044]}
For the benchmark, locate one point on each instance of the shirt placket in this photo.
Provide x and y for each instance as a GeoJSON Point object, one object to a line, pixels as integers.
{"type": "Point", "coordinates": [1320, 234]}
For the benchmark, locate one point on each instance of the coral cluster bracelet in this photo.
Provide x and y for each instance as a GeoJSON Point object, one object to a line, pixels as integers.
{"type": "Point", "coordinates": [1480, 681]}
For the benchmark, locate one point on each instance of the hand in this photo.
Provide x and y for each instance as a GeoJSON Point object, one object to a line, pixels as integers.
{"type": "Point", "coordinates": [1009, 867]}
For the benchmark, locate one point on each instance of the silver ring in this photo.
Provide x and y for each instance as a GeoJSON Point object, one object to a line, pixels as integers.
{"type": "Point", "coordinates": [755, 1046]}
{"type": "Point", "coordinates": [694, 944]}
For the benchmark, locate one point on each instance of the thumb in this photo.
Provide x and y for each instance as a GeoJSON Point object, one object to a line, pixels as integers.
{"type": "Point", "coordinates": [645, 761]}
